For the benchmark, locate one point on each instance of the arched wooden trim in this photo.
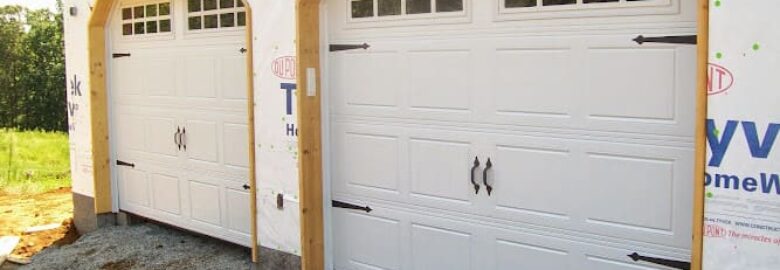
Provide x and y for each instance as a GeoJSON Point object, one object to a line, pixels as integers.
{"type": "Point", "coordinates": [98, 52]}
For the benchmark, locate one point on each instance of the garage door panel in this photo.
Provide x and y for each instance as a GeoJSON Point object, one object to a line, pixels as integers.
{"type": "Point", "coordinates": [368, 160]}
{"type": "Point", "coordinates": [440, 248]}
{"type": "Point", "coordinates": [201, 140]}
{"type": "Point", "coordinates": [165, 190]}
{"type": "Point", "coordinates": [631, 91]}
{"type": "Point", "coordinates": [235, 153]}
{"type": "Point", "coordinates": [642, 182]}
{"type": "Point", "coordinates": [653, 185]}
{"type": "Point", "coordinates": [159, 76]}
{"type": "Point", "coordinates": [368, 80]}
{"type": "Point", "coordinates": [364, 252]}
{"type": "Point", "coordinates": [131, 132]}
{"type": "Point", "coordinates": [237, 211]}
{"type": "Point", "coordinates": [440, 169]}
{"type": "Point", "coordinates": [232, 75]}
{"type": "Point", "coordinates": [160, 133]}
{"type": "Point", "coordinates": [135, 187]}
{"type": "Point", "coordinates": [524, 87]}
{"type": "Point", "coordinates": [200, 77]}
{"type": "Point", "coordinates": [518, 255]}
{"type": "Point", "coordinates": [205, 203]}
{"type": "Point", "coordinates": [530, 181]}
{"type": "Point", "coordinates": [131, 83]}
{"type": "Point", "coordinates": [440, 80]}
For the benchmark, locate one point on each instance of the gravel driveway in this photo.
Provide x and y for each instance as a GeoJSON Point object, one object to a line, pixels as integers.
{"type": "Point", "coordinates": [150, 246]}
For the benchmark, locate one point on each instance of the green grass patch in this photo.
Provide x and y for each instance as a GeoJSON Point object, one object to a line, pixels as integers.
{"type": "Point", "coordinates": [33, 161]}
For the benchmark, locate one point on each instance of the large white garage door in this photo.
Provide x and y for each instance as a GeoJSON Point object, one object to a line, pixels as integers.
{"type": "Point", "coordinates": [588, 135]}
{"type": "Point", "coordinates": [178, 114]}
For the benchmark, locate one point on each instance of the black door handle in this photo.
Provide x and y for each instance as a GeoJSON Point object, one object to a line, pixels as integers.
{"type": "Point", "coordinates": [476, 165]}
{"type": "Point", "coordinates": [176, 138]}
{"type": "Point", "coordinates": [488, 165]}
{"type": "Point", "coordinates": [183, 138]}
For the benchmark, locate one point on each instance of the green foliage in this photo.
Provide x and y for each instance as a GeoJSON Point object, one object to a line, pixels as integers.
{"type": "Point", "coordinates": [32, 69]}
{"type": "Point", "coordinates": [33, 161]}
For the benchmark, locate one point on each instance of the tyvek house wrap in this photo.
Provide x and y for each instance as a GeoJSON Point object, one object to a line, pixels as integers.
{"type": "Point", "coordinates": [742, 206]}
{"type": "Point", "coordinates": [77, 87]}
{"type": "Point", "coordinates": [275, 124]}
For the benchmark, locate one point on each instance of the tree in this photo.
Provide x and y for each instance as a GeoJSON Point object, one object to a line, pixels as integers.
{"type": "Point", "coordinates": [32, 78]}
{"type": "Point", "coordinates": [11, 32]}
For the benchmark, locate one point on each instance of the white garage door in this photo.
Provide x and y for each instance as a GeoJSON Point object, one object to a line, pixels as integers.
{"type": "Point", "coordinates": [178, 114]}
{"type": "Point", "coordinates": [588, 134]}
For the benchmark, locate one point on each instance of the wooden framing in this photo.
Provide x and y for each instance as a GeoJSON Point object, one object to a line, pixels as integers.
{"type": "Point", "coordinates": [101, 167]}
{"type": "Point", "coordinates": [250, 97]}
{"type": "Point", "coordinates": [697, 247]}
{"type": "Point", "coordinates": [310, 137]}
{"type": "Point", "coordinates": [98, 90]}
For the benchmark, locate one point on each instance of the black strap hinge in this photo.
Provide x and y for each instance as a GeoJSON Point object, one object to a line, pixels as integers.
{"type": "Point", "coordinates": [660, 261]}
{"type": "Point", "coordinates": [124, 163]}
{"type": "Point", "coordinates": [344, 47]}
{"type": "Point", "coordinates": [340, 204]}
{"type": "Point", "coordinates": [118, 55]}
{"type": "Point", "coordinates": [690, 39]}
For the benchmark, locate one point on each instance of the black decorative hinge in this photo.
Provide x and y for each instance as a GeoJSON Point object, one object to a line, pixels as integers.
{"type": "Point", "coordinates": [344, 47]}
{"type": "Point", "coordinates": [246, 187]}
{"type": "Point", "coordinates": [242, 50]}
{"type": "Point", "coordinates": [118, 55]}
{"type": "Point", "coordinates": [691, 39]}
{"type": "Point", "coordinates": [123, 163]}
{"type": "Point", "coordinates": [340, 204]}
{"type": "Point", "coordinates": [665, 262]}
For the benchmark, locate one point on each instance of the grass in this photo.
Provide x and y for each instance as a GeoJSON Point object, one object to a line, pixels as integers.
{"type": "Point", "coordinates": [33, 161]}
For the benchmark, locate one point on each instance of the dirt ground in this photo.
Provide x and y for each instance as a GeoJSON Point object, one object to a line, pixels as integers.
{"type": "Point", "coordinates": [152, 246]}
{"type": "Point", "coordinates": [142, 246]}
{"type": "Point", "coordinates": [20, 212]}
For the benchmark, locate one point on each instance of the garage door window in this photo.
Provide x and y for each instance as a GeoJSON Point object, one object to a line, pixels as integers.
{"type": "Point", "coordinates": [547, 9]}
{"type": "Point", "coordinates": [366, 8]}
{"type": "Point", "coordinates": [215, 14]}
{"type": "Point", "coordinates": [582, 4]}
{"type": "Point", "coordinates": [146, 19]}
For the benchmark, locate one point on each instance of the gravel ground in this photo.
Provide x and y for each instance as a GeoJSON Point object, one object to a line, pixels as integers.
{"type": "Point", "coordinates": [149, 246]}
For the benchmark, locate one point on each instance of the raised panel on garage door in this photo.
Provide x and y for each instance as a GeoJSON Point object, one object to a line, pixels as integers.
{"type": "Point", "coordinates": [594, 188]}
{"type": "Point", "coordinates": [424, 167]}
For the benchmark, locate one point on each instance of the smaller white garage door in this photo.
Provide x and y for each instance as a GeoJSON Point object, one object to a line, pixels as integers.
{"type": "Point", "coordinates": [178, 114]}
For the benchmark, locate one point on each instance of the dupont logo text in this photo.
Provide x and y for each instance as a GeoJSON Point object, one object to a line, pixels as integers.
{"type": "Point", "coordinates": [284, 67]}
{"type": "Point", "coordinates": [712, 230]}
{"type": "Point", "coordinates": [719, 80]}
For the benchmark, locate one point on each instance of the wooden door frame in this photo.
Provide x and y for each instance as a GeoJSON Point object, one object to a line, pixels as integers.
{"type": "Point", "coordinates": [307, 18]}
{"type": "Point", "coordinates": [97, 45]}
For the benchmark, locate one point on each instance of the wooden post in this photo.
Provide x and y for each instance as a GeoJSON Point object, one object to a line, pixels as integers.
{"type": "Point", "coordinates": [250, 98]}
{"type": "Point", "coordinates": [310, 137]}
{"type": "Point", "coordinates": [99, 105]}
{"type": "Point", "coordinates": [697, 247]}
